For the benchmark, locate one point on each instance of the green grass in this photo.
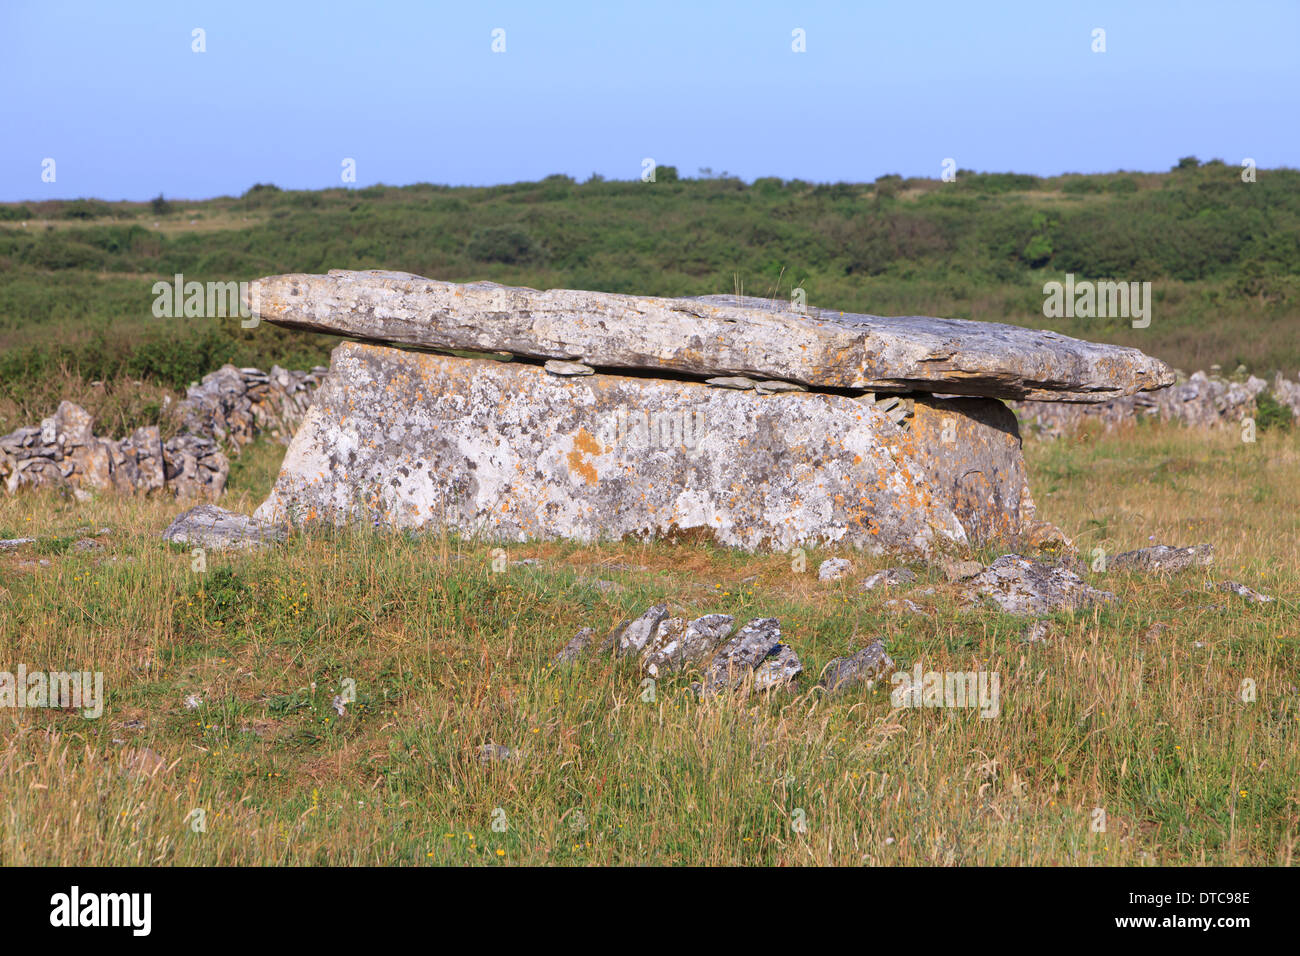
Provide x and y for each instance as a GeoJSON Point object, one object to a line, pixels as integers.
{"type": "Point", "coordinates": [448, 656]}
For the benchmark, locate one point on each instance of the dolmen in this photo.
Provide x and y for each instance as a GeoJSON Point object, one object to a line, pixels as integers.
{"type": "Point", "coordinates": [516, 414]}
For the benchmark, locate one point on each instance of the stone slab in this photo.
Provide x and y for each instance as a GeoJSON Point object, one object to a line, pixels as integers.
{"type": "Point", "coordinates": [712, 336]}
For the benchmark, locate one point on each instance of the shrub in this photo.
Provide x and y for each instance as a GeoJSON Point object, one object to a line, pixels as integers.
{"type": "Point", "coordinates": [507, 244]}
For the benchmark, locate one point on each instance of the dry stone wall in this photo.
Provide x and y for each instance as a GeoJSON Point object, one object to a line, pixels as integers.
{"type": "Point", "coordinates": [220, 414]}
{"type": "Point", "coordinates": [1202, 401]}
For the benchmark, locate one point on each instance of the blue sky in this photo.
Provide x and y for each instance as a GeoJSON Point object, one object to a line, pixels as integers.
{"type": "Point", "coordinates": [412, 91]}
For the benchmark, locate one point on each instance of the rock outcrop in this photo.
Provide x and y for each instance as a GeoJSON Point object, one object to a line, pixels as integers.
{"type": "Point", "coordinates": [710, 336]}
{"type": "Point", "coordinates": [217, 529]}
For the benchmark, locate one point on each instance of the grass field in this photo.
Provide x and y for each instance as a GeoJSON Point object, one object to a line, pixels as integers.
{"type": "Point", "coordinates": [1146, 723]}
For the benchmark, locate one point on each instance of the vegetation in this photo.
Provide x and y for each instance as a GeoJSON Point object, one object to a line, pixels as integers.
{"type": "Point", "coordinates": [1223, 256]}
{"type": "Point", "coordinates": [1112, 712]}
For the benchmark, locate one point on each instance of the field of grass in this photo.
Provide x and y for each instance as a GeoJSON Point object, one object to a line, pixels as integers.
{"type": "Point", "coordinates": [1111, 712]}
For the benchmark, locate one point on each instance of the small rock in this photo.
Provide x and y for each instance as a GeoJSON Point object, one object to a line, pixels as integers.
{"type": "Point", "coordinates": [677, 643]}
{"type": "Point", "coordinates": [208, 526]}
{"type": "Point", "coordinates": [1163, 558]}
{"type": "Point", "coordinates": [603, 586]}
{"type": "Point", "coordinates": [864, 667]}
{"type": "Point", "coordinates": [832, 569]}
{"type": "Point", "coordinates": [7, 544]}
{"type": "Point", "coordinates": [738, 658]}
{"type": "Point", "coordinates": [732, 381]}
{"type": "Point", "coordinates": [774, 387]}
{"type": "Point", "coordinates": [636, 634]}
{"type": "Point", "coordinates": [1018, 585]}
{"type": "Point", "coordinates": [890, 578]}
{"type": "Point", "coordinates": [960, 570]}
{"type": "Point", "coordinates": [193, 702]}
{"type": "Point", "coordinates": [778, 669]}
{"type": "Point", "coordinates": [339, 706]}
{"type": "Point", "coordinates": [86, 544]}
{"type": "Point", "coordinates": [575, 648]}
{"type": "Point", "coordinates": [1232, 587]}
{"type": "Point", "coordinates": [558, 367]}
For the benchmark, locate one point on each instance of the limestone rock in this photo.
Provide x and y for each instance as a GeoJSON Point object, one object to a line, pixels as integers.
{"type": "Point", "coordinates": [889, 578]}
{"type": "Point", "coordinates": [711, 336]}
{"type": "Point", "coordinates": [1250, 594]}
{"type": "Point", "coordinates": [677, 643]}
{"type": "Point", "coordinates": [954, 570]}
{"type": "Point", "coordinates": [971, 450]}
{"type": "Point", "coordinates": [1020, 586]}
{"type": "Point", "coordinates": [208, 526]}
{"type": "Point", "coordinates": [511, 453]}
{"type": "Point", "coordinates": [778, 670]}
{"type": "Point", "coordinates": [1162, 558]}
{"type": "Point", "coordinates": [556, 367]}
{"type": "Point", "coordinates": [737, 659]}
{"type": "Point", "coordinates": [865, 667]}
{"type": "Point", "coordinates": [634, 637]}
{"type": "Point", "coordinates": [832, 569]}
{"type": "Point", "coordinates": [576, 646]}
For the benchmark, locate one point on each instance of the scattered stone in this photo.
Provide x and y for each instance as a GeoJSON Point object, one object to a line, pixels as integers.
{"type": "Point", "coordinates": [778, 670]}
{"type": "Point", "coordinates": [603, 586]}
{"type": "Point", "coordinates": [1232, 587]}
{"type": "Point", "coordinates": [557, 367]}
{"type": "Point", "coordinates": [86, 544]}
{"type": "Point", "coordinates": [954, 571]}
{"type": "Point", "coordinates": [208, 526]}
{"type": "Point", "coordinates": [1018, 585]}
{"type": "Point", "coordinates": [862, 668]}
{"type": "Point", "coordinates": [737, 659]}
{"type": "Point", "coordinates": [889, 578]}
{"type": "Point", "coordinates": [7, 544]}
{"type": "Point", "coordinates": [339, 705]}
{"type": "Point", "coordinates": [677, 643]}
{"type": "Point", "coordinates": [832, 569]}
{"type": "Point", "coordinates": [1163, 558]}
{"type": "Point", "coordinates": [193, 702]}
{"type": "Point", "coordinates": [576, 647]}
{"type": "Point", "coordinates": [710, 336]}
{"type": "Point", "coordinates": [633, 638]}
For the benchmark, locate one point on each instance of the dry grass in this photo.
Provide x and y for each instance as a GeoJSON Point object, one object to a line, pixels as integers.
{"type": "Point", "coordinates": [1145, 723]}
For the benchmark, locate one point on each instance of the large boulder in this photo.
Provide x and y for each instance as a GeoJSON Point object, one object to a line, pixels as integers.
{"type": "Point", "coordinates": [510, 452]}
{"type": "Point", "coordinates": [712, 336]}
